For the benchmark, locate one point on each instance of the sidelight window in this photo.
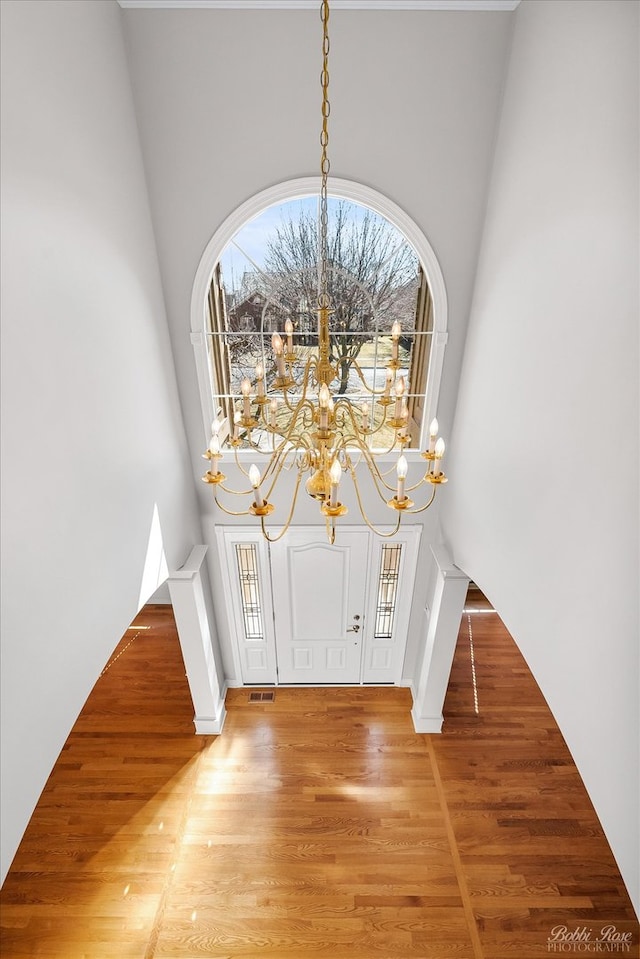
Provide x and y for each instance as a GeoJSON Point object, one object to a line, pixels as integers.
{"type": "Point", "coordinates": [390, 556]}
{"type": "Point", "coordinates": [247, 560]}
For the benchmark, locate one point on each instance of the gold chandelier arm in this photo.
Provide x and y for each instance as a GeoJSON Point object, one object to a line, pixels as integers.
{"type": "Point", "coordinates": [373, 528]}
{"type": "Point", "coordinates": [294, 441]}
{"type": "Point", "coordinates": [421, 509]}
{"type": "Point", "coordinates": [421, 482]}
{"type": "Point", "coordinates": [383, 422]}
{"type": "Point", "coordinates": [341, 446]}
{"type": "Point", "coordinates": [229, 512]}
{"type": "Point", "coordinates": [291, 443]}
{"type": "Point", "coordinates": [375, 476]}
{"type": "Point", "coordinates": [310, 364]}
{"type": "Point", "coordinates": [377, 429]}
{"type": "Point", "coordinates": [343, 404]}
{"type": "Point", "coordinates": [361, 452]}
{"type": "Point", "coordinates": [303, 407]}
{"type": "Point", "coordinates": [360, 438]}
{"type": "Point", "coordinates": [239, 465]}
{"type": "Point", "coordinates": [307, 375]}
{"type": "Point", "coordinates": [375, 472]}
{"type": "Point", "coordinates": [276, 465]}
{"type": "Point", "coordinates": [234, 492]}
{"type": "Point", "coordinates": [274, 539]}
{"type": "Point", "coordinates": [252, 443]}
{"type": "Point", "coordinates": [289, 406]}
{"type": "Point", "coordinates": [304, 410]}
{"type": "Point", "coordinates": [284, 457]}
{"type": "Point", "coordinates": [347, 408]}
{"type": "Point", "coordinates": [273, 468]}
{"type": "Point", "coordinates": [364, 453]}
{"type": "Point", "coordinates": [387, 472]}
{"type": "Point", "coordinates": [353, 363]}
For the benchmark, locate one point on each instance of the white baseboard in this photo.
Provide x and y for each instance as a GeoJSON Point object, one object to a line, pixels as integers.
{"type": "Point", "coordinates": [208, 726]}
{"type": "Point", "coordinates": [426, 724]}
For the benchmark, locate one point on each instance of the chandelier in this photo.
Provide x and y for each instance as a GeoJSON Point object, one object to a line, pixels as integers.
{"type": "Point", "coordinates": [324, 433]}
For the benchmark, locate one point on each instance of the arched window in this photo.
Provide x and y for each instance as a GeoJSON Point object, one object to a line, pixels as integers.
{"type": "Point", "coordinates": [262, 270]}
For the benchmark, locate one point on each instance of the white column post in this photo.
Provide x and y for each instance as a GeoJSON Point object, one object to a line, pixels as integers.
{"type": "Point", "coordinates": [187, 597]}
{"type": "Point", "coordinates": [441, 636]}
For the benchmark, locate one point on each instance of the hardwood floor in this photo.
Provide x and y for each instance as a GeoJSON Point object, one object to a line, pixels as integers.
{"type": "Point", "coordinates": [316, 825]}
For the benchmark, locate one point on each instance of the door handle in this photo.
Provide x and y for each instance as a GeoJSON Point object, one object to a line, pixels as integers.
{"type": "Point", "coordinates": [353, 629]}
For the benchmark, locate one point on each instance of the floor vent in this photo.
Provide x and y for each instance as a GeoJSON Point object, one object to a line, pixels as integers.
{"type": "Point", "coordinates": [262, 697]}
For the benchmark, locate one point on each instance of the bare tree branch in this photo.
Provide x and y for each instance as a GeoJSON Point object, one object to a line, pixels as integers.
{"type": "Point", "coordinates": [371, 271]}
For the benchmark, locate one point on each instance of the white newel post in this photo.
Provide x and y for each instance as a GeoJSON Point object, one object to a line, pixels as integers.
{"type": "Point", "coordinates": [187, 597]}
{"type": "Point", "coordinates": [441, 627]}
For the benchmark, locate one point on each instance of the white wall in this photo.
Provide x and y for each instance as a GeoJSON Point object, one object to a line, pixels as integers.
{"type": "Point", "coordinates": [96, 478]}
{"type": "Point", "coordinates": [543, 511]}
{"type": "Point", "coordinates": [228, 104]}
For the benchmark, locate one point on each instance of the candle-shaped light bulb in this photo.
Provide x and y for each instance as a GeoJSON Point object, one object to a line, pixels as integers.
{"type": "Point", "coordinates": [399, 391]}
{"type": "Point", "coordinates": [439, 451]}
{"type": "Point", "coordinates": [254, 479]}
{"type": "Point", "coordinates": [215, 427]}
{"type": "Point", "coordinates": [245, 389]}
{"type": "Point", "coordinates": [260, 379]}
{"type": "Point", "coordinates": [273, 409]}
{"type": "Point", "coordinates": [288, 328]}
{"type": "Point", "coordinates": [324, 398]}
{"type": "Point", "coordinates": [214, 449]}
{"type": "Point", "coordinates": [236, 425]}
{"type": "Point", "coordinates": [395, 336]}
{"type": "Point", "coordinates": [401, 469]}
{"type": "Point", "coordinates": [364, 409]}
{"type": "Point", "coordinates": [334, 473]}
{"type": "Point", "coordinates": [404, 417]}
{"type": "Point", "coordinates": [433, 432]}
{"type": "Point", "coordinates": [276, 343]}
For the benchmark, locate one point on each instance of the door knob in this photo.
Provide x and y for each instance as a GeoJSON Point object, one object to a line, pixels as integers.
{"type": "Point", "coordinates": [353, 629]}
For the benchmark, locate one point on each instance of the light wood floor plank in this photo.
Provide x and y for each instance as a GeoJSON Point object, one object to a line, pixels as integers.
{"type": "Point", "coordinates": [319, 825]}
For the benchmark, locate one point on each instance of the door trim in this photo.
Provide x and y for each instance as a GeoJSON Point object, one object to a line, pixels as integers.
{"type": "Point", "coordinates": [376, 673]}
{"type": "Point", "coordinates": [408, 536]}
{"type": "Point", "coordinates": [262, 673]}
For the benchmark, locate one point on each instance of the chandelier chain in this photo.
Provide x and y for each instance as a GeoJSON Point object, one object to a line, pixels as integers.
{"type": "Point", "coordinates": [312, 426]}
{"type": "Point", "coordinates": [323, 294]}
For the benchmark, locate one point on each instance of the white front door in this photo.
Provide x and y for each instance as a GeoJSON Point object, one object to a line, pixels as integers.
{"type": "Point", "coordinates": [301, 611]}
{"type": "Point", "coordinates": [319, 598]}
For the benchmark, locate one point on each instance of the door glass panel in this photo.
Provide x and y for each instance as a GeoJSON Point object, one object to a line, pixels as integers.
{"type": "Point", "coordinates": [250, 591]}
{"type": "Point", "coordinates": [387, 590]}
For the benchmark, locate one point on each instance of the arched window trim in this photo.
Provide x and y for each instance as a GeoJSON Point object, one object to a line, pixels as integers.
{"type": "Point", "coordinates": [293, 190]}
